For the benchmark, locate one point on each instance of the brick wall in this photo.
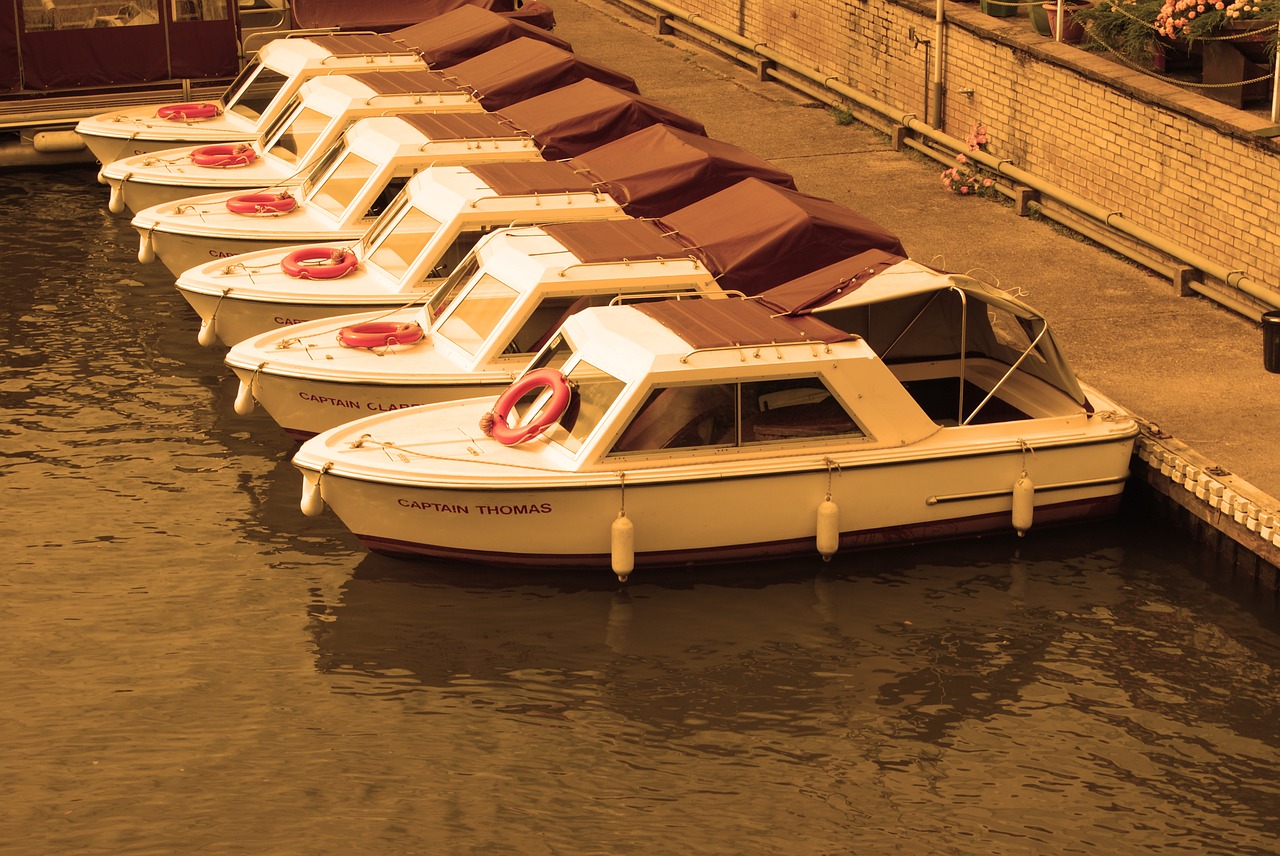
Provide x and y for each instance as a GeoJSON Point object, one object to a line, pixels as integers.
{"type": "Point", "coordinates": [1171, 160]}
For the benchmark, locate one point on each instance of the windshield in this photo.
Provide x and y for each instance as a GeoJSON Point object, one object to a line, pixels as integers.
{"type": "Point", "coordinates": [452, 287]}
{"type": "Point", "coordinates": [594, 392]}
{"type": "Point", "coordinates": [405, 230]}
{"type": "Point", "coordinates": [473, 318]}
{"type": "Point", "coordinates": [297, 130]}
{"type": "Point", "coordinates": [339, 187]}
{"type": "Point", "coordinates": [253, 90]}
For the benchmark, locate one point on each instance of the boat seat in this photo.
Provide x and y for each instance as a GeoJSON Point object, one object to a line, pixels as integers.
{"type": "Point", "coordinates": [682, 417]}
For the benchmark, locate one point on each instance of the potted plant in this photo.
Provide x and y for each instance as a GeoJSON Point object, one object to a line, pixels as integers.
{"type": "Point", "coordinates": [1124, 26]}
{"type": "Point", "coordinates": [1072, 29]}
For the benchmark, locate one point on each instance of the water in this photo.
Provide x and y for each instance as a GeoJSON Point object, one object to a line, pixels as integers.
{"type": "Point", "coordinates": [193, 666]}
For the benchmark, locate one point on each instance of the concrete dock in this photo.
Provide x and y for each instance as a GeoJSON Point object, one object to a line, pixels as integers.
{"type": "Point", "coordinates": [1192, 370]}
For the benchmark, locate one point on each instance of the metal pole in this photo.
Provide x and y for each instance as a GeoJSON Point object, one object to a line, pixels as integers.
{"type": "Point", "coordinates": [1057, 33]}
{"type": "Point", "coordinates": [938, 27]}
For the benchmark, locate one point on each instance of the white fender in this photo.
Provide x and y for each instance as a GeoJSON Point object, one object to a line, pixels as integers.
{"type": "Point", "coordinates": [116, 202]}
{"type": "Point", "coordinates": [828, 540]}
{"type": "Point", "coordinates": [208, 332]}
{"type": "Point", "coordinates": [146, 248]}
{"type": "Point", "coordinates": [312, 502]}
{"type": "Point", "coordinates": [1024, 504]}
{"type": "Point", "coordinates": [622, 542]}
{"type": "Point", "coordinates": [244, 399]}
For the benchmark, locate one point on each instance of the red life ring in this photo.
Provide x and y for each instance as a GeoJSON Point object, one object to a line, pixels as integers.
{"type": "Point", "coordinates": [379, 334]}
{"type": "Point", "coordinates": [188, 112]}
{"type": "Point", "coordinates": [319, 263]}
{"type": "Point", "coordinates": [494, 423]}
{"type": "Point", "coordinates": [262, 203]}
{"type": "Point", "coordinates": [237, 154]}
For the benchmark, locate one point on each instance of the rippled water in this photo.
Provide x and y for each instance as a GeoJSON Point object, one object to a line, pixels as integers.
{"type": "Point", "coordinates": [193, 666]}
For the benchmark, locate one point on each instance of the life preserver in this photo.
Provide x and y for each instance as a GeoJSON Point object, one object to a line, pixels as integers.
{"type": "Point", "coordinates": [188, 112]}
{"type": "Point", "coordinates": [237, 154]}
{"type": "Point", "coordinates": [379, 334]}
{"type": "Point", "coordinates": [494, 423]}
{"type": "Point", "coordinates": [262, 203]}
{"type": "Point", "coordinates": [319, 263]}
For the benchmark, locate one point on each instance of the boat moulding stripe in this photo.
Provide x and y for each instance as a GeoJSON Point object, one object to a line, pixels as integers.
{"type": "Point", "coordinates": [957, 528]}
{"type": "Point", "coordinates": [1040, 488]}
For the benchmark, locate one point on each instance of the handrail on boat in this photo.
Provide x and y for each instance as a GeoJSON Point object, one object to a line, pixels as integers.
{"type": "Point", "coordinates": [826, 346]}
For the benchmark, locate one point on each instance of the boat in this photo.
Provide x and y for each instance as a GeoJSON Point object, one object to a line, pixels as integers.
{"type": "Point", "coordinates": [441, 214]}
{"type": "Point", "coordinates": [307, 128]}
{"type": "Point", "coordinates": [491, 316]}
{"type": "Point", "coordinates": [899, 404]}
{"type": "Point", "coordinates": [310, 124]}
{"type": "Point", "coordinates": [340, 198]}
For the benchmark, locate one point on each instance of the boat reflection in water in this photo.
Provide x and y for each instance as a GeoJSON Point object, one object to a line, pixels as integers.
{"type": "Point", "coordinates": [1041, 692]}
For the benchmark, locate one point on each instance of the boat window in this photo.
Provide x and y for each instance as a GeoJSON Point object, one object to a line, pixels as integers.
{"type": "Point", "coordinates": [341, 186]}
{"type": "Point", "coordinates": [791, 409]}
{"type": "Point", "coordinates": [196, 10]}
{"type": "Point", "coordinates": [749, 413]}
{"type": "Point", "coordinates": [455, 253]}
{"type": "Point", "coordinates": [546, 319]}
{"type": "Point", "coordinates": [452, 287]}
{"type": "Point", "coordinates": [295, 139]}
{"type": "Point", "coordinates": [594, 392]}
{"type": "Point", "coordinates": [1012, 332]}
{"type": "Point", "coordinates": [252, 92]}
{"type": "Point", "coordinates": [325, 165]}
{"type": "Point", "coordinates": [396, 248]}
{"type": "Point", "coordinates": [479, 311]}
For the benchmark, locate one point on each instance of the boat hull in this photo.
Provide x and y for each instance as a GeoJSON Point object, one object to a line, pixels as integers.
{"type": "Point", "coordinates": [236, 319]}
{"type": "Point", "coordinates": [729, 517]}
{"type": "Point", "coordinates": [305, 407]}
{"type": "Point", "coordinates": [181, 251]}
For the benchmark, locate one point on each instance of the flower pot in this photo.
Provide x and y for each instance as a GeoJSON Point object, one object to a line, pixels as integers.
{"type": "Point", "coordinates": [1072, 30]}
{"type": "Point", "coordinates": [1039, 19]}
{"type": "Point", "coordinates": [999, 8]}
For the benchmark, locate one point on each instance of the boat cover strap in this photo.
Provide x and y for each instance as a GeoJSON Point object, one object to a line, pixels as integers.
{"type": "Point", "coordinates": [720, 323]}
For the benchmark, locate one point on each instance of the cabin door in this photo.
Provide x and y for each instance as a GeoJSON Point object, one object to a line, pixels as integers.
{"type": "Point", "coordinates": [48, 45]}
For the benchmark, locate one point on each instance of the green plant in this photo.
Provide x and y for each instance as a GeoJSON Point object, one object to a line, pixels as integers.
{"type": "Point", "coordinates": [840, 115]}
{"type": "Point", "coordinates": [967, 178]}
{"type": "Point", "coordinates": [1125, 26]}
{"type": "Point", "coordinates": [1197, 19]}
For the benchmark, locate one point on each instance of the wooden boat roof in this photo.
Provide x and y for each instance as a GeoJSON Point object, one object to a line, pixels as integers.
{"type": "Point", "coordinates": [461, 126]}
{"type": "Point", "coordinates": [597, 242]}
{"type": "Point", "coordinates": [659, 169]}
{"type": "Point", "coordinates": [585, 114]}
{"type": "Point", "coordinates": [525, 178]}
{"type": "Point", "coordinates": [466, 32]}
{"type": "Point", "coordinates": [359, 44]}
{"type": "Point", "coordinates": [407, 82]}
{"type": "Point", "coordinates": [731, 322]}
{"type": "Point", "coordinates": [526, 67]}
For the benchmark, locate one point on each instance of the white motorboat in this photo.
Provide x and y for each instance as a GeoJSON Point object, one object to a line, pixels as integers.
{"type": "Point", "coordinates": [483, 325]}
{"type": "Point", "coordinates": [683, 432]}
{"type": "Point", "coordinates": [339, 199]}
{"type": "Point", "coordinates": [276, 72]}
{"type": "Point", "coordinates": [444, 211]}
{"type": "Point", "coordinates": [307, 128]}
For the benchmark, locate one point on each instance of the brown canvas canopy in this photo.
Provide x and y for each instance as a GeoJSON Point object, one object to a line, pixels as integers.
{"type": "Point", "coordinates": [407, 82]}
{"type": "Point", "coordinates": [828, 283]}
{"type": "Point", "coordinates": [756, 235]}
{"type": "Point", "coordinates": [659, 169]}
{"type": "Point", "coordinates": [599, 241]}
{"type": "Point", "coordinates": [725, 323]}
{"type": "Point", "coordinates": [466, 32]}
{"type": "Point", "coordinates": [651, 172]}
{"type": "Point", "coordinates": [361, 44]}
{"type": "Point", "coordinates": [581, 116]}
{"type": "Point", "coordinates": [461, 126]}
{"type": "Point", "coordinates": [525, 67]}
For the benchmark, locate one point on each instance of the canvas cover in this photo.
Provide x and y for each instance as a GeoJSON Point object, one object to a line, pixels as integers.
{"type": "Point", "coordinates": [466, 32]}
{"type": "Point", "coordinates": [50, 46]}
{"type": "Point", "coordinates": [461, 126]}
{"type": "Point", "coordinates": [726, 323]}
{"type": "Point", "coordinates": [756, 235]}
{"type": "Point", "coordinates": [581, 116]}
{"type": "Point", "coordinates": [828, 283]}
{"type": "Point", "coordinates": [660, 169]}
{"type": "Point", "coordinates": [523, 68]}
{"type": "Point", "coordinates": [529, 178]}
{"type": "Point", "coordinates": [421, 81]}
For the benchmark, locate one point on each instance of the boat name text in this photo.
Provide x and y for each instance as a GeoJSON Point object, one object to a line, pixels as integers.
{"type": "Point", "coordinates": [351, 404]}
{"type": "Point", "coordinates": [499, 510]}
